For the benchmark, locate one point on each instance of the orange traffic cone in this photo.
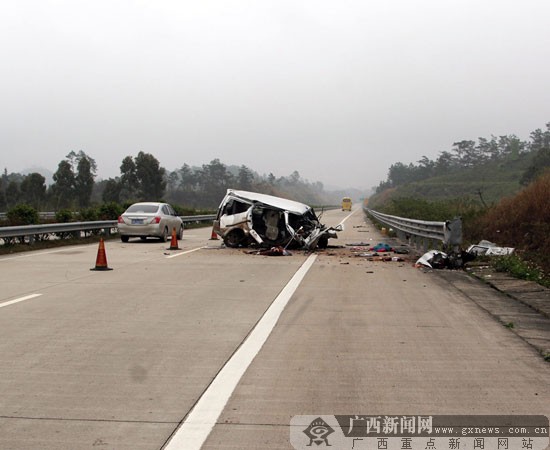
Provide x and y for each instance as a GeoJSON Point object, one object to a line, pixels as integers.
{"type": "Point", "coordinates": [213, 236]}
{"type": "Point", "coordinates": [174, 241]}
{"type": "Point", "coordinates": [101, 260]}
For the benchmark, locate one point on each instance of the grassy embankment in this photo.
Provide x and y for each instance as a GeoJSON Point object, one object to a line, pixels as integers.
{"type": "Point", "coordinates": [493, 206]}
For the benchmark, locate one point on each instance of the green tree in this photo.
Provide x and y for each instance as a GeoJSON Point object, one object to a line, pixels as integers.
{"type": "Point", "coordinates": [150, 176]}
{"type": "Point", "coordinates": [540, 139]}
{"type": "Point", "coordinates": [12, 193]}
{"type": "Point", "coordinates": [245, 178]}
{"type": "Point", "coordinates": [63, 187]}
{"type": "Point", "coordinates": [173, 182]}
{"type": "Point", "coordinates": [84, 181]}
{"type": "Point", "coordinates": [33, 190]}
{"type": "Point", "coordinates": [111, 193]}
{"type": "Point", "coordinates": [294, 178]}
{"type": "Point", "coordinates": [425, 168]}
{"type": "Point", "coordinates": [510, 147]}
{"type": "Point", "coordinates": [400, 174]}
{"type": "Point", "coordinates": [74, 159]}
{"type": "Point", "coordinates": [540, 164]}
{"type": "Point", "coordinates": [188, 179]}
{"type": "Point", "coordinates": [467, 154]}
{"type": "Point", "coordinates": [3, 186]}
{"type": "Point", "coordinates": [214, 180]}
{"type": "Point", "coordinates": [129, 183]}
{"type": "Point", "coordinates": [488, 148]}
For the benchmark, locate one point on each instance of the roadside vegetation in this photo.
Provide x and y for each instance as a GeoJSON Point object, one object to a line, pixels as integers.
{"type": "Point", "coordinates": [500, 188]}
{"type": "Point", "coordinates": [74, 186]}
{"type": "Point", "coordinates": [75, 195]}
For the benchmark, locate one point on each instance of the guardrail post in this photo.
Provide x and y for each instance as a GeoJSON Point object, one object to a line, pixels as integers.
{"type": "Point", "coordinates": [453, 234]}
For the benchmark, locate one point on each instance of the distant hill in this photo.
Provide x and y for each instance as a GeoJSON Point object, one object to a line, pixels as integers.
{"type": "Point", "coordinates": [487, 183]}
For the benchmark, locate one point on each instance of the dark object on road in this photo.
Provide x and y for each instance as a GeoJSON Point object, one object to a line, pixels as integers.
{"type": "Point", "coordinates": [274, 251]}
{"type": "Point", "coordinates": [435, 259]}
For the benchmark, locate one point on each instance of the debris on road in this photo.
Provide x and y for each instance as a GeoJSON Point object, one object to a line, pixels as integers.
{"type": "Point", "coordinates": [489, 249]}
{"type": "Point", "coordinates": [382, 248]}
{"type": "Point", "coordinates": [433, 259]}
{"type": "Point", "coordinates": [273, 251]}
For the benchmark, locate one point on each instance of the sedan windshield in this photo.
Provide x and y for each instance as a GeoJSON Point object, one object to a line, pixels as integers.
{"type": "Point", "coordinates": [142, 209]}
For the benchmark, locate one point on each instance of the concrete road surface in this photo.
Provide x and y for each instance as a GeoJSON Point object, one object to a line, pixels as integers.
{"type": "Point", "coordinates": [118, 359]}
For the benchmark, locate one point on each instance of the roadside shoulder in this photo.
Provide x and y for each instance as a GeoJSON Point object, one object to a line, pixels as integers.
{"type": "Point", "coordinates": [520, 306]}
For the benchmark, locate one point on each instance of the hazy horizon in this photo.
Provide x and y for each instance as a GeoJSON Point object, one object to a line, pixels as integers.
{"type": "Point", "coordinates": [337, 91]}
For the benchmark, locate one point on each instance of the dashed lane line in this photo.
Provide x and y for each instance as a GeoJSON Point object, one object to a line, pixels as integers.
{"type": "Point", "coordinates": [21, 299]}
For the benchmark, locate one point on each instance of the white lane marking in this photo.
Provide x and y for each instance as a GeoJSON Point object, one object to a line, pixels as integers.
{"type": "Point", "coordinates": [17, 300]}
{"type": "Point", "coordinates": [200, 421]}
{"type": "Point", "coordinates": [183, 253]}
{"type": "Point", "coordinates": [348, 216]}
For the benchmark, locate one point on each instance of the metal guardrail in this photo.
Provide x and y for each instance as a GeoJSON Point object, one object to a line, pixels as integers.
{"type": "Point", "coordinates": [31, 231]}
{"type": "Point", "coordinates": [422, 232]}
{"type": "Point", "coordinates": [204, 218]}
{"type": "Point", "coordinates": [42, 215]}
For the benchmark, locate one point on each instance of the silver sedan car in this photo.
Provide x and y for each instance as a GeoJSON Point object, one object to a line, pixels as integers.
{"type": "Point", "coordinates": [149, 219]}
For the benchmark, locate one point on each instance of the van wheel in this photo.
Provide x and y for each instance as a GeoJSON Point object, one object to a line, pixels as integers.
{"type": "Point", "coordinates": [323, 242]}
{"type": "Point", "coordinates": [235, 238]}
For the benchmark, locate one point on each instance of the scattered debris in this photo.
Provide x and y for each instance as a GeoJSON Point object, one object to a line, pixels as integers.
{"type": "Point", "coordinates": [401, 251]}
{"type": "Point", "coordinates": [273, 251]}
{"type": "Point", "coordinates": [435, 259]}
{"type": "Point", "coordinates": [381, 247]}
{"type": "Point", "coordinates": [489, 249]}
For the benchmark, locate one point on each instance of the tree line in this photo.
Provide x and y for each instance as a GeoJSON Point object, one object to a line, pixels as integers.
{"type": "Point", "coordinates": [468, 153]}
{"type": "Point", "coordinates": [143, 179]}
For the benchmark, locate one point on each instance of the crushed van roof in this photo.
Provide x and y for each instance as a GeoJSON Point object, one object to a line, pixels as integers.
{"type": "Point", "coordinates": [277, 202]}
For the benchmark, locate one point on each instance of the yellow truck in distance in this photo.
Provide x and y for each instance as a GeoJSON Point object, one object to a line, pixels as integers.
{"type": "Point", "coordinates": [346, 204]}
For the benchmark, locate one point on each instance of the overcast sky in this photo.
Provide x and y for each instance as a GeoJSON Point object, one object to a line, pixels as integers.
{"type": "Point", "coordinates": [338, 90]}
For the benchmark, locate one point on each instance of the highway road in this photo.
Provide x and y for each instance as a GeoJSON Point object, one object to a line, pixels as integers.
{"type": "Point", "coordinates": [215, 348]}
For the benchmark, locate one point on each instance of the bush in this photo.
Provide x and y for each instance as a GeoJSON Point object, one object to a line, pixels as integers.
{"type": "Point", "coordinates": [110, 211]}
{"type": "Point", "coordinates": [186, 211]}
{"type": "Point", "coordinates": [22, 214]}
{"type": "Point", "coordinates": [63, 216]}
{"type": "Point", "coordinates": [519, 268]}
{"type": "Point", "coordinates": [88, 214]}
{"type": "Point", "coordinates": [523, 222]}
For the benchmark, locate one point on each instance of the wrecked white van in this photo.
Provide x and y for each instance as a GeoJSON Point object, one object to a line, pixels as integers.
{"type": "Point", "coordinates": [246, 218]}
